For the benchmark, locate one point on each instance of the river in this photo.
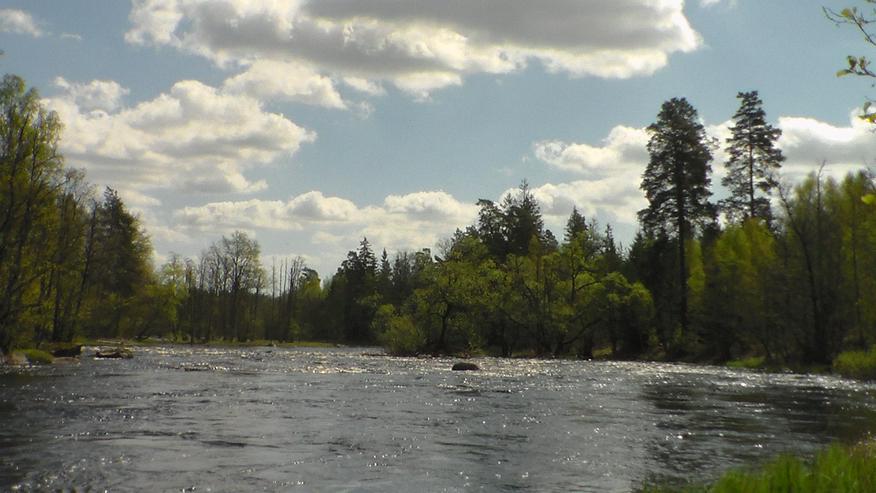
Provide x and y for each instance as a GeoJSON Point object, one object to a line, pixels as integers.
{"type": "Point", "coordinates": [271, 419]}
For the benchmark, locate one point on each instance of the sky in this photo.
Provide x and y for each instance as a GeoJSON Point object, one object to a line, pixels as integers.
{"type": "Point", "coordinates": [310, 124]}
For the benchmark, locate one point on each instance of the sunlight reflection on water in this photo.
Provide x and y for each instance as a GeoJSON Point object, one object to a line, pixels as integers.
{"type": "Point", "coordinates": [346, 419]}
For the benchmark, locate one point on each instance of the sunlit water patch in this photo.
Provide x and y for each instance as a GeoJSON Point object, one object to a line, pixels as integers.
{"type": "Point", "coordinates": [229, 419]}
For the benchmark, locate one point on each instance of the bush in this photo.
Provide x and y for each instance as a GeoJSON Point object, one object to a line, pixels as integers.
{"type": "Point", "coordinates": [37, 357]}
{"type": "Point", "coordinates": [401, 337]}
{"type": "Point", "coordinates": [856, 364]}
{"type": "Point", "coordinates": [751, 363]}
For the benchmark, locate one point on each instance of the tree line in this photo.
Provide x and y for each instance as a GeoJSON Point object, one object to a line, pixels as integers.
{"type": "Point", "coordinates": [71, 263]}
{"type": "Point", "coordinates": [788, 273]}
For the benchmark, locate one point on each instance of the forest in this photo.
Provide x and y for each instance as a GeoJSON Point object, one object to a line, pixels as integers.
{"type": "Point", "coordinates": [787, 273]}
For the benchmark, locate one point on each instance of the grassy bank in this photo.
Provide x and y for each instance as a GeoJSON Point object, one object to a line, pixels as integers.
{"type": "Point", "coordinates": [835, 470]}
{"type": "Point", "coordinates": [37, 357]}
{"type": "Point", "coordinates": [857, 364]}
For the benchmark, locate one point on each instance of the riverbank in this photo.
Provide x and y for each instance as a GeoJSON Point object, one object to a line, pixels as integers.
{"type": "Point", "coordinates": [44, 354]}
{"type": "Point", "coordinates": [838, 469]}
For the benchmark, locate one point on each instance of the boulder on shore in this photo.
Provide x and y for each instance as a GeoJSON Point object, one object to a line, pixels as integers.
{"type": "Point", "coordinates": [114, 353]}
{"type": "Point", "coordinates": [465, 366]}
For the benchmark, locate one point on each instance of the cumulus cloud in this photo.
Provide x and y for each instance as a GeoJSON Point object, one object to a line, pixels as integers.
{"type": "Point", "coordinates": [105, 95]}
{"type": "Point", "coordinates": [19, 22]}
{"type": "Point", "coordinates": [423, 45]}
{"type": "Point", "coordinates": [623, 150]}
{"type": "Point", "coordinates": [429, 206]}
{"type": "Point", "coordinates": [409, 221]}
{"type": "Point", "coordinates": [807, 143]}
{"type": "Point", "coordinates": [193, 138]}
{"type": "Point", "coordinates": [288, 81]}
{"type": "Point", "coordinates": [610, 175]}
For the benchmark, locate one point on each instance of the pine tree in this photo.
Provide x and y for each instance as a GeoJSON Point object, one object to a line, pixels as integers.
{"type": "Point", "coordinates": [676, 183]}
{"type": "Point", "coordinates": [575, 225]}
{"type": "Point", "coordinates": [754, 158]}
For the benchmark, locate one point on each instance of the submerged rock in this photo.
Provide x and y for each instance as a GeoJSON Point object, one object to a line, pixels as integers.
{"type": "Point", "coordinates": [114, 353]}
{"type": "Point", "coordinates": [465, 366]}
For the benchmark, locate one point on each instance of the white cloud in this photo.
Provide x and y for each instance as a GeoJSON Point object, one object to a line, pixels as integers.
{"type": "Point", "coordinates": [423, 45]}
{"type": "Point", "coordinates": [622, 150]}
{"type": "Point", "coordinates": [712, 3]}
{"type": "Point", "coordinates": [412, 221]}
{"type": "Point", "coordinates": [105, 95]}
{"type": "Point", "coordinates": [365, 86]}
{"type": "Point", "coordinates": [19, 22]}
{"type": "Point", "coordinates": [289, 81]}
{"type": "Point", "coordinates": [192, 138]}
{"type": "Point", "coordinates": [807, 143]}
{"type": "Point", "coordinates": [308, 208]}
{"type": "Point", "coordinates": [429, 206]}
{"type": "Point", "coordinates": [611, 174]}
{"type": "Point", "coordinates": [315, 207]}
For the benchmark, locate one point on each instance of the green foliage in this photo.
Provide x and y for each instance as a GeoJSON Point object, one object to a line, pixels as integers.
{"type": "Point", "coordinates": [856, 364]}
{"type": "Point", "coordinates": [397, 332]}
{"type": "Point", "coordinates": [750, 363]}
{"type": "Point", "coordinates": [861, 19]}
{"type": "Point", "coordinates": [30, 172]}
{"type": "Point", "coordinates": [835, 470]}
{"type": "Point", "coordinates": [37, 357]}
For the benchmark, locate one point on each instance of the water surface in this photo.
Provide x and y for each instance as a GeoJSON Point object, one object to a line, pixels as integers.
{"type": "Point", "coordinates": [217, 419]}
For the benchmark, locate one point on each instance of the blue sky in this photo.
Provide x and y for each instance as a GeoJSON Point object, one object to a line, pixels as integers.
{"type": "Point", "coordinates": [310, 124]}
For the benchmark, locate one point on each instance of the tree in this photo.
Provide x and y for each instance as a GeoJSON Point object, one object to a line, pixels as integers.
{"type": "Point", "coordinates": [358, 275]}
{"type": "Point", "coordinates": [575, 225]}
{"type": "Point", "coordinates": [676, 183]}
{"type": "Point", "coordinates": [861, 19]}
{"type": "Point", "coordinates": [814, 250]}
{"type": "Point", "coordinates": [121, 263]}
{"type": "Point", "coordinates": [30, 169]}
{"type": "Point", "coordinates": [243, 271]}
{"type": "Point", "coordinates": [754, 159]}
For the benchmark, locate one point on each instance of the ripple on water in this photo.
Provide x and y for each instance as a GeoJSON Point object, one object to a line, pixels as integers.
{"type": "Point", "coordinates": [181, 417]}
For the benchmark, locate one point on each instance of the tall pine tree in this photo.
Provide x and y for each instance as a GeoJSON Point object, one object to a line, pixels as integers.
{"type": "Point", "coordinates": [676, 184]}
{"type": "Point", "coordinates": [754, 158]}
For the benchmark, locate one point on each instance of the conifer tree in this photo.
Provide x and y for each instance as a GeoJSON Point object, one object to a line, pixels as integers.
{"type": "Point", "coordinates": [575, 225]}
{"type": "Point", "coordinates": [754, 158]}
{"type": "Point", "coordinates": [676, 183]}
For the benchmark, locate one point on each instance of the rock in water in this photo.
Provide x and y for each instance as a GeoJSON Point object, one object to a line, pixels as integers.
{"type": "Point", "coordinates": [115, 353]}
{"type": "Point", "coordinates": [465, 366]}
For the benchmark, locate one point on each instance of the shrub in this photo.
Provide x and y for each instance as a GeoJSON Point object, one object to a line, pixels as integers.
{"type": "Point", "coordinates": [37, 357]}
{"type": "Point", "coordinates": [856, 364]}
{"type": "Point", "coordinates": [752, 362]}
{"type": "Point", "coordinates": [401, 336]}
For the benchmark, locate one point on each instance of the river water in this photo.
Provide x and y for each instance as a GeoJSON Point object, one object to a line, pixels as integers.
{"type": "Point", "coordinates": [216, 419]}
